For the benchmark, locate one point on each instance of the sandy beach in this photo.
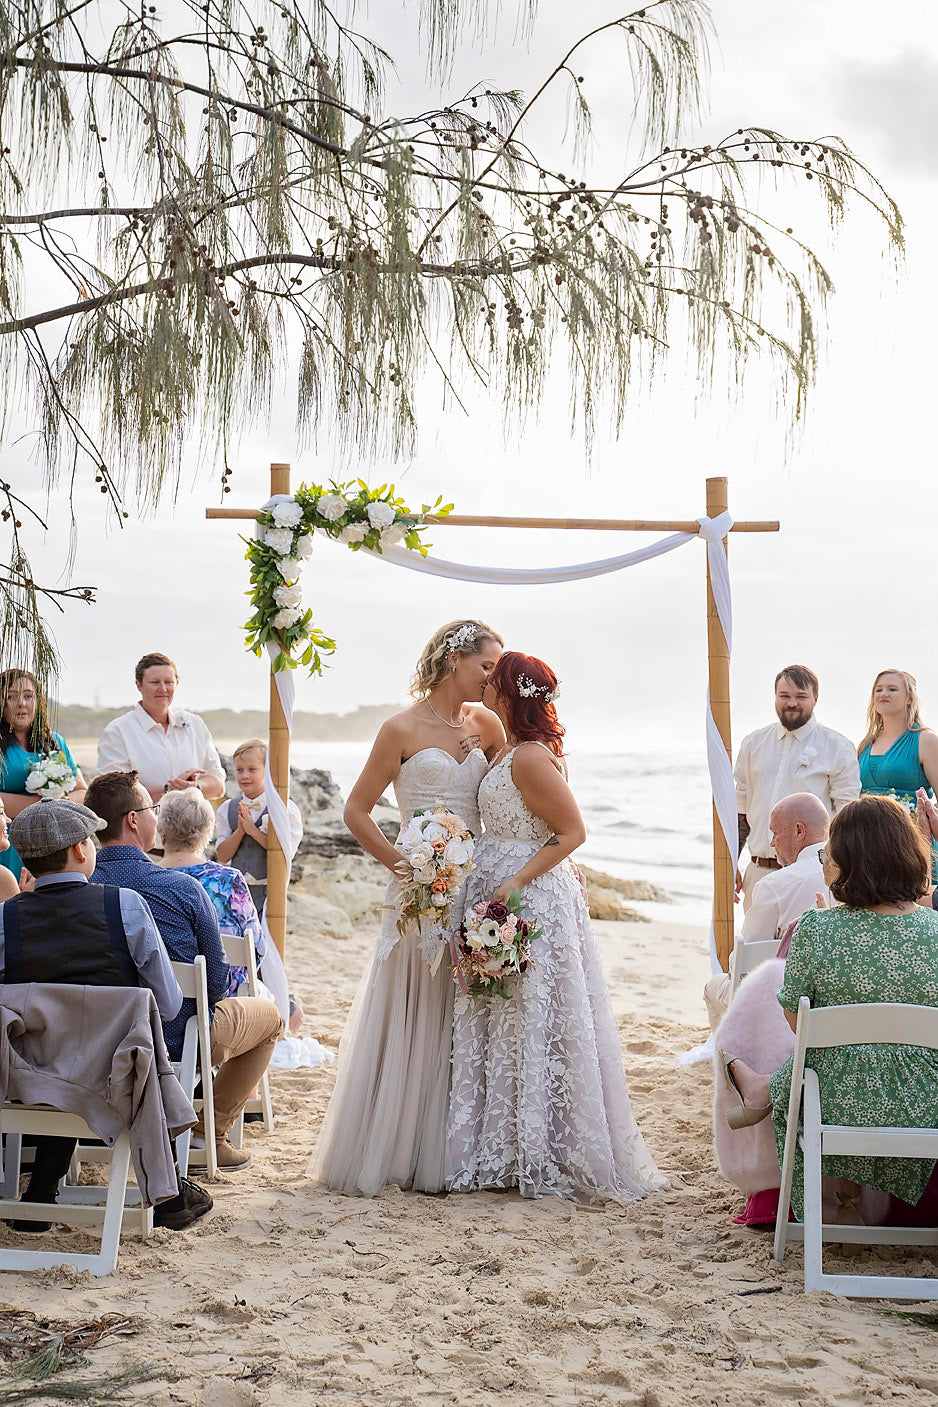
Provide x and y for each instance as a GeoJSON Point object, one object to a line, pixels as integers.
{"type": "Point", "coordinates": [288, 1294]}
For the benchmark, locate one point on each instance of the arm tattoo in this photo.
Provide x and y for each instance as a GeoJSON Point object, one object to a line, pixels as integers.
{"type": "Point", "coordinates": [553, 841]}
{"type": "Point", "coordinates": [743, 824]}
{"type": "Point", "coordinates": [468, 744]}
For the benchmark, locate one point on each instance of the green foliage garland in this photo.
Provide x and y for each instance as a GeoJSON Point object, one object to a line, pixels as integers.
{"type": "Point", "coordinates": [351, 513]}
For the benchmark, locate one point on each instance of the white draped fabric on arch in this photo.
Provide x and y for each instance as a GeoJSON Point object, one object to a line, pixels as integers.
{"type": "Point", "coordinates": [711, 531]}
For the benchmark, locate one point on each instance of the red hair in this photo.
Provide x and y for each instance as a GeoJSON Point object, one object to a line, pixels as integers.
{"type": "Point", "coordinates": [529, 716]}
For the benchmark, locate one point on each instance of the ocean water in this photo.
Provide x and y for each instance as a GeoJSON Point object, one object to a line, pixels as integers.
{"type": "Point", "coordinates": [648, 816]}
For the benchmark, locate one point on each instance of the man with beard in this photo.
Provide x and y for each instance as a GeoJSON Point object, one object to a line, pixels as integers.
{"type": "Point", "coordinates": [793, 755]}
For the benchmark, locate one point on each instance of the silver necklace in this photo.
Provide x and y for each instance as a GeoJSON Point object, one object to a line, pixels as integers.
{"type": "Point", "coordinates": [442, 719]}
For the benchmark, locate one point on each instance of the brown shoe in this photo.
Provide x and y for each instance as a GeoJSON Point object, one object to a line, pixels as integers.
{"type": "Point", "coordinates": [232, 1159]}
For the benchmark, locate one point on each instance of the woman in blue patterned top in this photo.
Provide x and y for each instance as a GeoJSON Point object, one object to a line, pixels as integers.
{"type": "Point", "coordinates": [187, 822]}
{"type": "Point", "coordinates": [25, 739]}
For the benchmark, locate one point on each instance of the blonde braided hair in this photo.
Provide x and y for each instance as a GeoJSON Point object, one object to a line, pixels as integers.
{"type": "Point", "coordinates": [432, 666]}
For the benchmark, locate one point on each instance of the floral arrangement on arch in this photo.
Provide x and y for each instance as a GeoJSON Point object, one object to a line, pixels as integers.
{"type": "Point", "coordinates": [351, 513]}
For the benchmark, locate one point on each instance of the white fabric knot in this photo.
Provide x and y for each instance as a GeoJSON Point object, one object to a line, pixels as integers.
{"type": "Point", "coordinates": [276, 498]}
{"type": "Point", "coordinates": [715, 529]}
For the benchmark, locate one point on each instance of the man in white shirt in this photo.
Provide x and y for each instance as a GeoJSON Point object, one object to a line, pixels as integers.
{"type": "Point", "coordinates": [796, 754]}
{"type": "Point", "coordinates": [799, 825]}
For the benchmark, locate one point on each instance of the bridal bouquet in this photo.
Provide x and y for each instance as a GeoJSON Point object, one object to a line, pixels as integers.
{"type": "Point", "coordinates": [438, 846]}
{"type": "Point", "coordinates": [50, 777]}
{"type": "Point", "coordinates": [492, 947]}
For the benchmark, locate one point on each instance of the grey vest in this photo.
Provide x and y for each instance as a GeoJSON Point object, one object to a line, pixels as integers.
{"type": "Point", "coordinates": [250, 858]}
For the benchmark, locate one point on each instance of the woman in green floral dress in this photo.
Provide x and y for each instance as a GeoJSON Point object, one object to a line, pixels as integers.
{"type": "Point", "coordinates": [878, 945]}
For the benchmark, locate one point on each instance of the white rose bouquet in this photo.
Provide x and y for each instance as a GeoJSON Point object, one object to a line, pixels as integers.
{"type": "Point", "coordinates": [51, 776]}
{"type": "Point", "coordinates": [438, 846]}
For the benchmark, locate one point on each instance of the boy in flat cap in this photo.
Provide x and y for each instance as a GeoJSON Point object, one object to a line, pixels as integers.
{"type": "Point", "coordinates": [70, 931]}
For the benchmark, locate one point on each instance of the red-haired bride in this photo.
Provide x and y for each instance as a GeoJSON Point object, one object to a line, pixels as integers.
{"type": "Point", "coordinates": [539, 1099]}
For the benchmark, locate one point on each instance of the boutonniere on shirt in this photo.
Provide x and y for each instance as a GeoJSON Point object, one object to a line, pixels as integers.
{"type": "Point", "coordinates": [807, 757]}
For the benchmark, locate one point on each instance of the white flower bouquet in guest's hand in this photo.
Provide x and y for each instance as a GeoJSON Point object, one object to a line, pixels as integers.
{"type": "Point", "coordinates": [51, 776]}
{"type": "Point", "coordinates": [438, 846]}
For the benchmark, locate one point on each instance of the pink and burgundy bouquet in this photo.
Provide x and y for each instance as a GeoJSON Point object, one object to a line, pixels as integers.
{"type": "Point", "coordinates": [492, 947]}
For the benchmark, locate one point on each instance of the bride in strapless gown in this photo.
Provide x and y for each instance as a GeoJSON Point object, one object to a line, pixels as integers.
{"type": "Point", "coordinates": [386, 1121]}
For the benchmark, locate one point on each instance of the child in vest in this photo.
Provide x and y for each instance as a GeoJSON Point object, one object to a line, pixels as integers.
{"type": "Point", "coordinates": [241, 823]}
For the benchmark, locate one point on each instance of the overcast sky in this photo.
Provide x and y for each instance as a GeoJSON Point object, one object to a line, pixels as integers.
{"type": "Point", "coordinates": [844, 587]}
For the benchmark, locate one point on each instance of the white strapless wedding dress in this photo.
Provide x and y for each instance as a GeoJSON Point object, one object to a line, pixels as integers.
{"type": "Point", "coordinates": [539, 1098]}
{"type": "Point", "coordinates": [386, 1121]}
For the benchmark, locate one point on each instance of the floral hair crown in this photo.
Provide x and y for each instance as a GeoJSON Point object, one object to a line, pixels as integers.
{"type": "Point", "coordinates": [529, 690]}
{"type": "Point", "coordinates": [461, 638]}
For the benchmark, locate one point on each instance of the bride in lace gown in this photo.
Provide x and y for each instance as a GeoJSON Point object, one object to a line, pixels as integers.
{"type": "Point", "coordinates": [539, 1099]}
{"type": "Point", "coordinates": [386, 1121]}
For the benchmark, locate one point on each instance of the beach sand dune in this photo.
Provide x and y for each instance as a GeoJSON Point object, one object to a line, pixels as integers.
{"type": "Point", "coordinates": [288, 1294]}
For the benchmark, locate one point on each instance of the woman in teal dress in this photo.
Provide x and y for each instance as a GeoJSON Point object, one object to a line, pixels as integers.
{"type": "Point", "coordinates": [899, 755]}
{"type": "Point", "coordinates": [25, 738]}
{"type": "Point", "coordinates": [878, 945]}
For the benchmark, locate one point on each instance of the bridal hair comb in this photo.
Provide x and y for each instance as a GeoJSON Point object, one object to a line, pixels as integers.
{"type": "Point", "coordinates": [461, 638]}
{"type": "Point", "coordinates": [529, 690]}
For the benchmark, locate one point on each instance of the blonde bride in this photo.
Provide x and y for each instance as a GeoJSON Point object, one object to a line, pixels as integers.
{"type": "Point", "coordinates": [386, 1121]}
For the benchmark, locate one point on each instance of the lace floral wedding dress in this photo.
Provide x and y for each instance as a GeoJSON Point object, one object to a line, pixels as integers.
{"type": "Point", "coordinates": [386, 1121]}
{"type": "Point", "coordinates": [539, 1099]}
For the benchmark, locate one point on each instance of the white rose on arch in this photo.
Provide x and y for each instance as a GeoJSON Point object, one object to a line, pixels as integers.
{"type": "Point", "coordinates": [353, 533]}
{"type": "Point", "coordinates": [289, 568]}
{"type": "Point", "coordinates": [287, 514]}
{"type": "Point", "coordinates": [289, 596]}
{"type": "Point", "coordinates": [331, 506]}
{"type": "Point", "coordinates": [280, 539]}
{"type": "Point", "coordinates": [391, 536]}
{"type": "Point", "coordinates": [286, 617]}
{"type": "Point", "coordinates": [304, 548]}
{"type": "Point", "coordinates": [380, 514]}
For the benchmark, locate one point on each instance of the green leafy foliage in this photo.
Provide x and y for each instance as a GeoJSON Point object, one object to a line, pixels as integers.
{"type": "Point", "coordinates": [207, 200]}
{"type": "Point", "coordinates": [279, 620]}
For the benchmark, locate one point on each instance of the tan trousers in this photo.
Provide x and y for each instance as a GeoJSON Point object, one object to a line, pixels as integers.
{"type": "Point", "coordinates": [244, 1033]}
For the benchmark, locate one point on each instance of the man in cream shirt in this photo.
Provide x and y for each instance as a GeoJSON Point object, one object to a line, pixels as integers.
{"type": "Point", "coordinates": [798, 825]}
{"type": "Point", "coordinates": [796, 754]}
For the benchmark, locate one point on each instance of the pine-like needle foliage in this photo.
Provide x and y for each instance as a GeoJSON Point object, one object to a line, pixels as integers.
{"type": "Point", "coordinates": [206, 193]}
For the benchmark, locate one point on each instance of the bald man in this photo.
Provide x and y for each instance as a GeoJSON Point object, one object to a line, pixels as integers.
{"type": "Point", "coordinates": [799, 825]}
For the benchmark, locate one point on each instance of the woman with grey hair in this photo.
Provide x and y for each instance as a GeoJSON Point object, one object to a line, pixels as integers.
{"type": "Point", "coordinates": [187, 824]}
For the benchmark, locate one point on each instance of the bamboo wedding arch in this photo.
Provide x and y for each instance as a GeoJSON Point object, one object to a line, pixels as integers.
{"type": "Point", "coordinates": [718, 671]}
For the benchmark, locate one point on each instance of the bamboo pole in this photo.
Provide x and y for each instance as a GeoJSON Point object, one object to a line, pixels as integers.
{"type": "Point", "coordinates": [718, 671]}
{"type": "Point", "coordinates": [278, 865]}
{"type": "Point", "coordinates": [472, 520]}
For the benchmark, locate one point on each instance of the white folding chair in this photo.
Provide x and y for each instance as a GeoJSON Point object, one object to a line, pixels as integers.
{"type": "Point", "coordinates": [747, 956]}
{"type": "Point", "coordinates": [239, 950]}
{"type": "Point", "coordinates": [851, 1025]}
{"type": "Point", "coordinates": [76, 1206]}
{"type": "Point", "coordinates": [196, 1058]}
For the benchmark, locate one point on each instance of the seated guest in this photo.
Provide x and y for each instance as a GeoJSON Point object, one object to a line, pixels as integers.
{"type": "Point", "coordinates": [187, 823]}
{"type": "Point", "coordinates": [798, 826]}
{"type": "Point", "coordinates": [66, 931]}
{"type": "Point", "coordinates": [26, 739]}
{"type": "Point", "coordinates": [241, 823]}
{"type": "Point", "coordinates": [244, 1029]}
{"type": "Point", "coordinates": [169, 748]}
{"type": "Point", "coordinates": [878, 945]}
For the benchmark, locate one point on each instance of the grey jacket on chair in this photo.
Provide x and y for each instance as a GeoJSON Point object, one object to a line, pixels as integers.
{"type": "Point", "coordinates": [97, 1052]}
